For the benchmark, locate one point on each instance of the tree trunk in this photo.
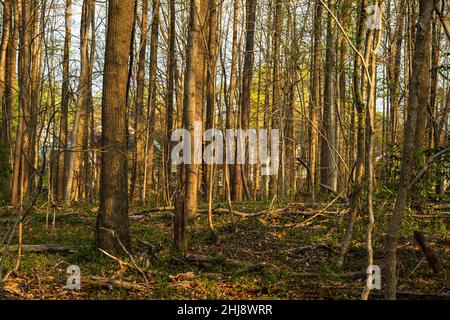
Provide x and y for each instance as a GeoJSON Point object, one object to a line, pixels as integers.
{"type": "Point", "coordinates": [186, 203]}
{"type": "Point", "coordinates": [112, 228]}
{"type": "Point", "coordinates": [329, 143]}
{"type": "Point", "coordinates": [74, 170]}
{"type": "Point", "coordinates": [418, 98]}
{"type": "Point", "coordinates": [64, 155]}
{"type": "Point", "coordinates": [140, 134]}
{"type": "Point", "coordinates": [6, 33]}
{"type": "Point", "coordinates": [276, 96]}
{"type": "Point", "coordinates": [170, 93]}
{"type": "Point", "coordinates": [249, 58]}
{"type": "Point", "coordinates": [315, 98]}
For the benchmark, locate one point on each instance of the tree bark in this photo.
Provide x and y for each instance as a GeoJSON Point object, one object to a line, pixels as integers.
{"type": "Point", "coordinates": [418, 98]}
{"type": "Point", "coordinates": [112, 220]}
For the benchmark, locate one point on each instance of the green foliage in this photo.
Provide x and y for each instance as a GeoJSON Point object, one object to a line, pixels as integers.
{"type": "Point", "coordinates": [5, 172]}
{"type": "Point", "coordinates": [427, 188]}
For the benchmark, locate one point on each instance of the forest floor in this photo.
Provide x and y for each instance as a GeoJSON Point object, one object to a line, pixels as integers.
{"type": "Point", "coordinates": [288, 252]}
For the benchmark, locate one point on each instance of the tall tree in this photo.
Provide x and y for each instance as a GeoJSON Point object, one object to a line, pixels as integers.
{"type": "Point", "coordinates": [315, 96]}
{"type": "Point", "coordinates": [140, 135]}
{"type": "Point", "coordinates": [74, 167]}
{"type": "Point", "coordinates": [151, 107]}
{"type": "Point", "coordinates": [186, 202]}
{"type": "Point", "coordinates": [276, 95]}
{"type": "Point", "coordinates": [112, 230]}
{"type": "Point", "coordinates": [329, 142]}
{"type": "Point", "coordinates": [171, 61]}
{"type": "Point", "coordinates": [64, 155]}
{"type": "Point", "coordinates": [6, 33]}
{"type": "Point", "coordinates": [419, 93]}
{"type": "Point", "coordinates": [249, 58]}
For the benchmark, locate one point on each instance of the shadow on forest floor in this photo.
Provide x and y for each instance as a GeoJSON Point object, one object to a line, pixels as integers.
{"type": "Point", "coordinates": [289, 253]}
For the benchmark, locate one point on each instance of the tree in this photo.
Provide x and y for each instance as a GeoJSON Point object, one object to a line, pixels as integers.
{"type": "Point", "coordinates": [63, 154]}
{"type": "Point", "coordinates": [276, 95]}
{"type": "Point", "coordinates": [315, 96]}
{"type": "Point", "coordinates": [329, 142]}
{"type": "Point", "coordinates": [79, 133]}
{"type": "Point", "coordinates": [186, 201]}
{"type": "Point", "coordinates": [112, 230]}
{"type": "Point", "coordinates": [249, 58]}
{"type": "Point", "coordinates": [5, 41]}
{"type": "Point", "coordinates": [419, 93]}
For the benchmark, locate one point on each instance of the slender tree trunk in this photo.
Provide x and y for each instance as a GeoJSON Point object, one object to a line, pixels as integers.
{"type": "Point", "coordinates": [151, 107]}
{"type": "Point", "coordinates": [74, 170]}
{"type": "Point", "coordinates": [170, 93]}
{"type": "Point", "coordinates": [249, 58]}
{"type": "Point", "coordinates": [17, 156]}
{"type": "Point", "coordinates": [418, 98]}
{"type": "Point", "coordinates": [10, 80]}
{"type": "Point", "coordinates": [140, 134]}
{"type": "Point", "coordinates": [276, 96]}
{"type": "Point", "coordinates": [6, 33]}
{"type": "Point", "coordinates": [315, 98]}
{"type": "Point", "coordinates": [211, 89]}
{"type": "Point", "coordinates": [186, 204]}
{"type": "Point", "coordinates": [236, 188]}
{"type": "Point", "coordinates": [64, 155]}
{"type": "Point", "coordinates": [329, 143]}
{"type": "Point", "coordinates": [359, 96]}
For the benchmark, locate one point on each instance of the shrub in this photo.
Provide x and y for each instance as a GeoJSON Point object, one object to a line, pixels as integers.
{"type": "Point", "coordinates": [5, 172]}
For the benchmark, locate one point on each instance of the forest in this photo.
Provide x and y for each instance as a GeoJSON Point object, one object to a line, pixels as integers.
{"type": "Point", "coordinates": [224, 149]}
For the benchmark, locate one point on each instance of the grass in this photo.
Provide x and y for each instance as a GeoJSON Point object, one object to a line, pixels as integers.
{"type": "Point", "coordinates": [252, 241]}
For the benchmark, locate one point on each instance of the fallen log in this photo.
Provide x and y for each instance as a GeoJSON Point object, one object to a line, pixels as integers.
{"type": "Point", "coordinates": [233, 262]}
{"type": "Point", "coordinates": [432, 259]}
{"type": "Point", "coordinates": [41, 248]}
{"type": "Point", "coordinates": [111, 283]}
{"type": "Point", "coordinates": [360, 274]}
{"type": "Point", "coordinates": [219, 211]}
{"type": "Point", "coordinates": [152, 210]}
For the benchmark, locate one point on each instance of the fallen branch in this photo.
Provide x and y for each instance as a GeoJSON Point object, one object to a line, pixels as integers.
{"type": "Point", "coordinates": [153, 210]}
{"type": "Point", "coordinates": [233, 262]}
{"type": "Point", "coordinates": [40, 248]}
{"type": "Point", "coordinates": [432, 259]}
{"type": "Point", "coordinates": [320, 275]}
{"type": "Point", "coordinates": [111, 283]}
{"type": "Point", "coordinates": [144, 214]}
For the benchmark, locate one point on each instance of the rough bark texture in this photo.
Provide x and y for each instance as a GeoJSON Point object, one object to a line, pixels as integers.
{"type": "Point", "coordinates": [65, 97]}
{"type": "Point", "coordinates": [112, 220]}
{"type": "Point", "coordinates": [249, 58]}
{"type": "Point", "coordinates": [186, 203]}
{"type": "Point", "coordinates": [418, 99]}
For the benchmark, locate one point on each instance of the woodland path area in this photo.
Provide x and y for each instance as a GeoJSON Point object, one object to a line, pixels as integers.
{"type": "Point", "coordinates": [283, 254]}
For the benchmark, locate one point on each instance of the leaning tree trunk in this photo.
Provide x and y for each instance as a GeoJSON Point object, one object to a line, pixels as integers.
{"type": "Point", "coordinates": [418, 98]}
